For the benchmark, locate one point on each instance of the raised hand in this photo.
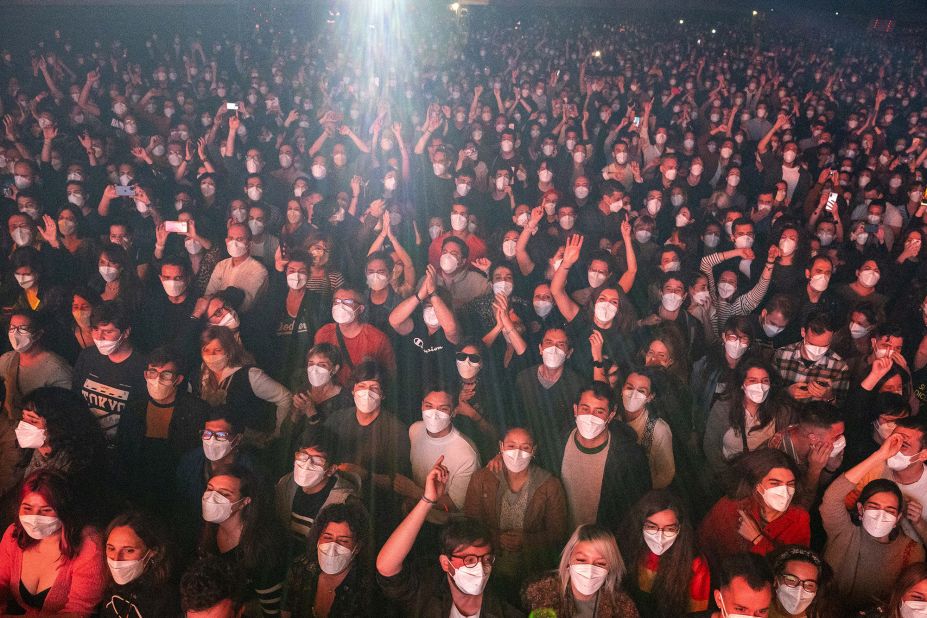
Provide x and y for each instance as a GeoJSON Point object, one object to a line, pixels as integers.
{"type": "Point", "coordinates": [483, 264]}
{"type": "Point", "coordinates": [436, 481]}
{"type": "Point", "coordinates": [571, 252]}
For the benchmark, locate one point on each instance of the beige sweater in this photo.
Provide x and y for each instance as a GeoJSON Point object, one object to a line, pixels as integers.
{"type": "Point", "coordinates": [864, 569]}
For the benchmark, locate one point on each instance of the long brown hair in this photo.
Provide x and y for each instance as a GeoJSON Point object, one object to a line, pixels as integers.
{"type": "Point", "coordinates": [670, 591]}
{"type": "Point", "coordinates": [153, 535]}
{"type": "Point", "coordinates": [909, 577]}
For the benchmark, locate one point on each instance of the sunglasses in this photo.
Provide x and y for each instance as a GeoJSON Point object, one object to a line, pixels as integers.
{"type": "Point", "coordinates": [473, 358]}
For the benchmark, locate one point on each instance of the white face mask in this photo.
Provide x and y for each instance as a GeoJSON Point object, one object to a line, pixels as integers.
{"type": "Point", "coordinates": [472, 580]}
{"type": "Point", "coordinates": [40, 526]}
{"type": "Point", "coordinates": [236, 248]}
{"type": "Point", "coordinates": [735, 348]}
{"type": "Point", "coordinates": [743, 241]}
{"type": "Point", "coordinates": [633, 400]}
{"type": "Point", "coordinates": [502, 287]}
{"type": "Point", "coordinates": [643, 236]}
{"type": "Point", "coordinates": [543, 307]}
{"type": "Point", "coordinates": [307, 475]}
{"type": "Point", "coordinates": [779, 498]}
{"type": "Point", "coordinates": [458, 222]}
{"type": "Point", "coordinates": [587, 578]}
{"type": "Point", "coordinates": [157, 390]}
{"type": "Point", "coordinates": [342, 315]}
{"type": "Point", "coordinates": [878, 523]}
{"type": "Point", "coordinates": [553, 357]}
{"type": "Point", "coordinates": [436, 421]}
{"type": "Point", "coordinates": [590, 426]}
{"type": "Point", "coordinates": [215, 449]}
{"type": "Point", "coordinates": [814, 352]}
{"type": "Point", "coordinates": [509, 247]}
{"type": "Point", "coordinates": [858, 331]}
{"type": "Point", "coordinates": [125, 571]}
{"type": "Point", "coordinates": [757, 393]}
{"type": "Point", "coordinates": [107, 347]}
{"type": "Point", "coordinates": [701, 297]}
{"type": "Point", "coordinates": [605, 311]}
{"type": "Point", "coordinates": [366, 401]}
{"type": "Point", "coordinates": [21, 342]}
{"type": "Point", "coordinates": [29, 436]}
{"type": "Point", "coordinates": [914, 609]}
{"type": "Point", "coordinates": [109, 273]}
{"type": "Point", "coordinates": [772, 330]}
{"type": "Point", "coordinates": [334, 558]}
{"type": "Point", "coordinates": [869, 278]}
{"type": "Point", "coordinates": [448, 263]}
{"type": "Point", "coordinates": [787, 246]}
{"type": "Point", "coordinates": [794, 600]}
{"type": "Point", "coordinates": [296, 281]}
{"type": "Point", "coordinates": [318, 375]}
{"type": "Point", "coordinates": [516, 460]}
{"type": "Point", "coordinates": [671, 301]}
{"type": "Point", "coordinates": [819, 282]}
{"type": "Point", "coordinates": [899, 461]}
{"type": "Point", "coordinates": [658, 541]}
{"type": "Point", "coordinates": [216, 507]}
{"type": "Point", "coordinates": [839, 444]}
{"type": "Point", "coordinates": [468, 369]}
{"type": "Point", "coordinates": [726, 614]}
{"type": "Point", "coordinates": [255, 193]}
{"type": "Point", "coordinates": [174, 288]}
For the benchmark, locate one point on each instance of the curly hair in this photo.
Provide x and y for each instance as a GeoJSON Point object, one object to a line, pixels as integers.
{"type": "Point", "coordinates": [355, 516]}
{"type": "Point", "coordinates": [208, 582]}
{"type": "Point", "coordinates": [70, 425]}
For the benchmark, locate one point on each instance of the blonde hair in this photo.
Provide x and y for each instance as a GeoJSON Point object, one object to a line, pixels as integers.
{"type": "Point", "coordinates": [604, 542]}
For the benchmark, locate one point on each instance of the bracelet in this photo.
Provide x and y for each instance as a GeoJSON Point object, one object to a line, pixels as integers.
{"type": "Point", "coordinates": [758, 537]}
{"type": "Point", "coordinates": [424, 499]}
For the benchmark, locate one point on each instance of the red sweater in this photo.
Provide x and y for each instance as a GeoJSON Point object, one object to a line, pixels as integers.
{"type": "Point", "coordinates": [718, 536]}
{"type": "Point", "coordinates": [78, 587]}
{"type": "Point", "coordinates": [369, 343]}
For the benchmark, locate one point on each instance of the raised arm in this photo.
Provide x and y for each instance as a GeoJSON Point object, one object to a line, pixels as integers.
{"type": "Point", "coordinates": [781, 121]}
{"type": "Point", "coordinates": [626, 282]}
{"type": "Point", "coordinates": [400, 318]}
{"type": "Point", "coordinates": [565, 304]}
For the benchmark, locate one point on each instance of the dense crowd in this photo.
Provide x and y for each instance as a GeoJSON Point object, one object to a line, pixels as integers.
{"type": "Point", "coordinates": [560, 319]}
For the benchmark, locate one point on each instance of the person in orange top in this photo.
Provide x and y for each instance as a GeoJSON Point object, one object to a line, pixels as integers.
{"type": "Point", "coordinates": [761, 516]}
{"type": "Point", "coordinates": [669, 578]}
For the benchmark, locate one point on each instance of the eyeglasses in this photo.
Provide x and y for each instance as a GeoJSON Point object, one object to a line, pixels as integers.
{"type": "Point", "coordinates": [220, 436]}
{"type": "Point", "coordinates": [470, 560]}
{"type": "Point", "coordinates": [21, 330]}
{"type": "Point", "coordinates": [347, 302]}
{"type": "Point", "coordinates": [164, 377]}
{"type": "Point", "coordinates": [313, 460]}
{"type": "Point", "coordinates": [669, 531]}
{"type": "Point", "coordinates": [473, 358]}
{"type": "Point", "coordinates": [809, 585]}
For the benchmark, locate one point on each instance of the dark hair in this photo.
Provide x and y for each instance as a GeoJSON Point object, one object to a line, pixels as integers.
{"type": "Point", "coordinates": [110, 312]}
{"type": "Point", "coordinates": [753, 466]}
{"type": "Point", "coordinates": [464, 249]}
{"type": "Point", "coordinates": [38, 322]}
{"type": "Point", "coordinates": [599, 390]}
{"type": "Point", "coordinates": [355, 516]}
{"type": "Point", "coordinates": [71, 427]}
{"type": "Point", "coordinates": [229, 415]}
{"type": "Point", "coordinates": [180, 261]}
{"type": "Point", "coordinates": [463, 532]}
{"type": "Point", "coordinates": [819, 414]}
{"type": "Point", "coordinates": [152, 532]}
{"type": "Point", "coordinates": [917, 423]}
{"type": "Point", "coordinates": [370, 370]}
{"type": "Point", "coordinates": [59, 492]}
{"type": "Point", "coordinates": [27, 256]}
{"type": "Point", "coordinates": [381, 255]}
{"type": "Point", "coordinates": [818, 322]}
{"type": "Point", "coordinates": [163, 355]}
{"type": "Point", "coordinates": [324, 441]}
{"type": "Point", "coordinates": [879, 486]}
{"type": "Point", "coordinates": [209, 581]}
{"type": "Point", "coordinates": [782, 303]}
{"type": "Point", "coordinates": [260, 534]}
{"type": "Point", "coordinates": [739, 324]}
{"type": "Point", "coordinates": [333, 353]}
{"type": "Point", "coordinates": [753, 568]}
{"type": "Point", "coordinates": [670, 590]}
{"type": "Point", "coordinates": [773, 409]}
{"type": "Point", "coordinates": [909, 577]}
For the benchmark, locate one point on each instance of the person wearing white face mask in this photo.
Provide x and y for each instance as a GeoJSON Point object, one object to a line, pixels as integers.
{"type": "Point", "coordinates": [432, 437]}
{"type": "Point", "coordinates": [588, 580]}
{"type": "Point", "coordinates": [653, 433]}
{"type": "Point", "coordinates": [156, 431]}
{"type": "Point", "coordinates": [667, 575]}
{"type": "Point", "coordinates": [452, 253]}
{"type": "Point", "coordinates": [817, 445]}
{"type": "Point", "coordinates": [264, 245]}
{"type": "Point", "coordinates": [109, 374]}
{"type": "Point", "coordinates": [313, 483]}
{"type": "Point", "coordinates": [864, 287]}
{"type": "Point", "coordinates": [599, 463]}
{"type": "Point", "coordinates": [334, 568]}
{"type": "Point", "coordinates": [140, 567]}
{"type": "Point", "coordinates": [235, 509]}
{"type": "Point", "coordinates": [871, 534]}
{"type": "Point", "coordinates": [810, 368]}
{"type": "Point", "coordinates": [744, 588]}
{"type": "Point", "coordinates": [908, 598]}
{"type": "Point", "coordinates": [466, 557]}
{"type": "Point", "coordinates": [239, 269]}
{"type": "Point", "coordinates": [29, 365]}
{"type": "Point", "coordinates": [798, 582]}
{"type": "Point", "coordinates": [538, 526]}
{"type": "Point", "coordinates": [760, 516]}
{"type": "Point", "coordinates": [51, 565]}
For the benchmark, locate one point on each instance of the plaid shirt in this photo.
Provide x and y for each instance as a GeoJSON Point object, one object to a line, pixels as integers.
{"type": "Point", "coordinates": [830, 367]}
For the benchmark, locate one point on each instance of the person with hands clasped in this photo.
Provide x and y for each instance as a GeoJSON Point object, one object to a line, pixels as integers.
{"type": "Point", "coordinates": [466, 559]}
{"type": "Point", "coordinates": [869, 534]}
